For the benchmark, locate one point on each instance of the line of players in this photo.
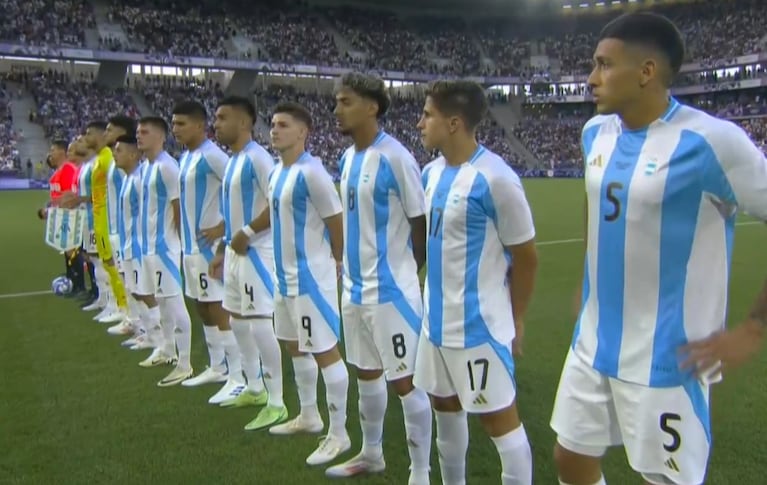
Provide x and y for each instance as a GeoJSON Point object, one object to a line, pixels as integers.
{"type": "Point", "coordinates": [264, 246]}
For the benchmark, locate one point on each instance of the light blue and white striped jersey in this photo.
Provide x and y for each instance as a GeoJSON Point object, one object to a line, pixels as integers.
{"type": "Point", "coordinates": [475, 211]}
{"type": "Point", "coordinates": [382, 190]}
{"type": "Point", "coordinates": [202, 171]}
{"type": "Point", "coordinates": [245, 190]}
{"type": "Point", "coordinates": [159, 188]}
{"type": "Point", "coordinates": [129, 217]}
{"type": "Point", "coordinates": [115, 177]}
{"type": "Point", "coordinates": [301, 196]}
{"type": "Point", "coordinates": [84, 189]}
{"type": "Point", "coordinates": [661, 213]}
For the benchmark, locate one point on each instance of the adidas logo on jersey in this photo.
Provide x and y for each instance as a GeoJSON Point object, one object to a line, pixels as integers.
{"type": "Point", "coordinates": [671, 465]}
{"type": "Point", "coordinates": [479, 400]}
{"type": "Point", "coordinates": [402, 367]}
{"type": "Point", "coordinates": [596, 161]}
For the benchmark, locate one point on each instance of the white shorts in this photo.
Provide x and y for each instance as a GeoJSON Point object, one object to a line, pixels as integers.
{"type": "Point", "coordinates": [137, 279]}
{"type": "Point", "coordinates": [165, 272]}
{"type": "Point", "coordinates": [198, 285]}
{"type": "Point", "coordinates": [665, 431]}
{"type": "Point", "coordinates": [482, 377]}
{"type": "Point", "coordinates": [312, 319]}
{"type": "Point", "coordinates": [383, 336]}
{"type": "Point", "coordinates": [114, 240]}
{"type": "Point", "coordinates": [89, 241]}
{"type": "Point", "coordinates": [248, 282]}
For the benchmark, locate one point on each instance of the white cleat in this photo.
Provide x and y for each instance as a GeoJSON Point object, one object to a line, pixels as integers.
{"type": "Point", "coordinates": [122, 328]}
{"type": "Point", "coordinates": [299, 424]}
{"type": "Point", "coordinates": [231, 390]}
{"type": "Point", "coordinates": [329, 449]}
{"type": "Point", "coordinates": [176, 376]}
{"type": "Point", "coordinates": [142, 343]}
{"type": "Point", "coordinates": [140, 333]}
{"type": "Point", "coordinates": [208, 376]}
{"type": "Point", "coordinates": [158, 357]}
{"type": "Point", "coordinates": [104, 312]}
{"type": "Point", "coordinates": [113, 317]}
{"type": "Point", "coordinates": [96, 305]}
{"type": "Point", "coordinates": [356, 466]}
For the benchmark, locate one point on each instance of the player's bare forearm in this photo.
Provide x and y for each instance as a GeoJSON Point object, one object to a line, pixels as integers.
{"type": "Point", "coordinates": [221, 249]}
{"type": "Point", "coordinates": [522, 277]}
{"type": "Point", "coordinates": [262, 222]}
{"type": "Point", "coordinates": [418, 236]}
{"type": "Point", "coordinates": [335, 227]}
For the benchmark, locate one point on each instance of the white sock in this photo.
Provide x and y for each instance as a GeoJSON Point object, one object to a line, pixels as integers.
{"type": "Point", "coordinates": [233, 356]}
{"type": "Point", "coordinates": [183, 330]}
{"type": "Point", "coordinates": [251, 361]}
{"type": "Point", "coordinates": [134, 312]}
{"type": "Point", "coordinates": [215, 348]}
{"type": "Point", "coordinates": [168, 325]}
{"type": "Point", "coordinates": [271, 359]}
{"type": "Point", "coordinates": [452, 443]}
{"type": "Point", "coordinates": [336, 379]}
{"type": "Point", "coordinates": [372, 406]}
{"type": "Point", "coordinates": [305, 371]}
{"type": "Point", "coordinates": [102, 281]}
{"type": "Point", "coordinates": [151, 317]}
{"type": "Point", "coordinates": [600, 482]}
{"type": "Point", "coordinates": [516, 457]}
{"type": "Point", "coordinates": [416, 410]}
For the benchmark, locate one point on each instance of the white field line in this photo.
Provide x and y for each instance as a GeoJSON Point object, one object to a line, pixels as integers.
{"type": "Point", "coordinates": [541, 243]}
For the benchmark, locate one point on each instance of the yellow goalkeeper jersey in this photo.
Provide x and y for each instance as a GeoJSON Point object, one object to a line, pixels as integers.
{"type": "Point", "coordinates": [99, 190]}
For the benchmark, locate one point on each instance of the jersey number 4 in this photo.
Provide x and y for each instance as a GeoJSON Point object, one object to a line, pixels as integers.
{"type": "Point", "coordinates": [612, 198]}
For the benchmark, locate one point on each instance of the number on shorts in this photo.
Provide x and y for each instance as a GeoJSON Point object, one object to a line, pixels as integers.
{"type": "Point", "coordinates": [398, 341]}
{"type": "Point", "coordinates": [249, 291]}
{"type": "Point", "coordinates": [203, 281]}
{"type": "Point", "coordinates": [159, 278]}
{"type": "Point", "coordinates": [135, 276]}
{"type": "Point", "coordinates": [484, 363]}
{"type": "Point", "coordinates": [93, 239]}
{"type": "Point", "coordinates": [665, 426]}
{"type": "Point", "coordinates": [306, 323]}
{"type": "Point", "coordinates": [435, 221]}
{"type": "Point", "coordinates": [352, 194]}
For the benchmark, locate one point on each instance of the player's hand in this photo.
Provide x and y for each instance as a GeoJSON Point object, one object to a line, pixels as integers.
{"type": "Point", "coordinates": [519, 338]}
{"type": "Point", "coordinates": [240, 243]}
{"type": "Point", "coordinates": [68, 200]}
{"type": "Point", "coordinates": [725, 350]}
{"type": "Point", "coordinates": [211, 234]}
{"type": "Point", "coordinates": [216, 267]}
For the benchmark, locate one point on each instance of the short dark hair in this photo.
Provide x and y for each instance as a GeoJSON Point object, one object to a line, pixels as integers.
{"type": "Point", "coordinates": [240, 103]}
{"type": "Point", "coordinates": [128, 139]}
{"type": "Point", "coordinates": [296, 110]}
{"type": "Point", "coordinates": [368, 86]}
{"type": "Point", "coordinates": [127, 123]}
{"type": "Point", "coordinates": [155, 121]}
{"type": "Point", "coordinates": [191, 108]}
{"type": "Point", "coordinates": [60, 143]}
{"type": "Point", "coordinates": [651, 30]}
{"type": "Point", "coordinates": [465, 99]}
{"type": "Point", "coordinates": [98, 125]}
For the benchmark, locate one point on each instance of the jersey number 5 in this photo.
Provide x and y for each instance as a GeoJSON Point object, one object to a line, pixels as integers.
{"type": "Point", "coordinates": [665, 425]}
{"type": "Point", "coordinates": [614, 200]}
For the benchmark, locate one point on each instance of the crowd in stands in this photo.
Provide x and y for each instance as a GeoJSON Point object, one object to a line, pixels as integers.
{"type": "Point", "coordinates": [375, 39]}
{"type": "Point", "coordinates": [9, 153]}
{"type": "Point", "coordinates": [46, 22]}
{"type": "Point", "coordinates": [66, 105]}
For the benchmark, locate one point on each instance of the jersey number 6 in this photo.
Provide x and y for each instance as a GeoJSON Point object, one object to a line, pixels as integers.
{"type": "Point", "coordinates": [614, 200]}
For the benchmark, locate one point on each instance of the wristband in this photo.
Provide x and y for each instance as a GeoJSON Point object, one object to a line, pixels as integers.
{"type": "Point", "coordinates": [248, 231]}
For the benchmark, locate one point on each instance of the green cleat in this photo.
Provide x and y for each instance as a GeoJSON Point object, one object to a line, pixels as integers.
{"type": "Point", "coordinates": [247, 398]}
{"type": "Point", "coordinates": [269, 416]}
